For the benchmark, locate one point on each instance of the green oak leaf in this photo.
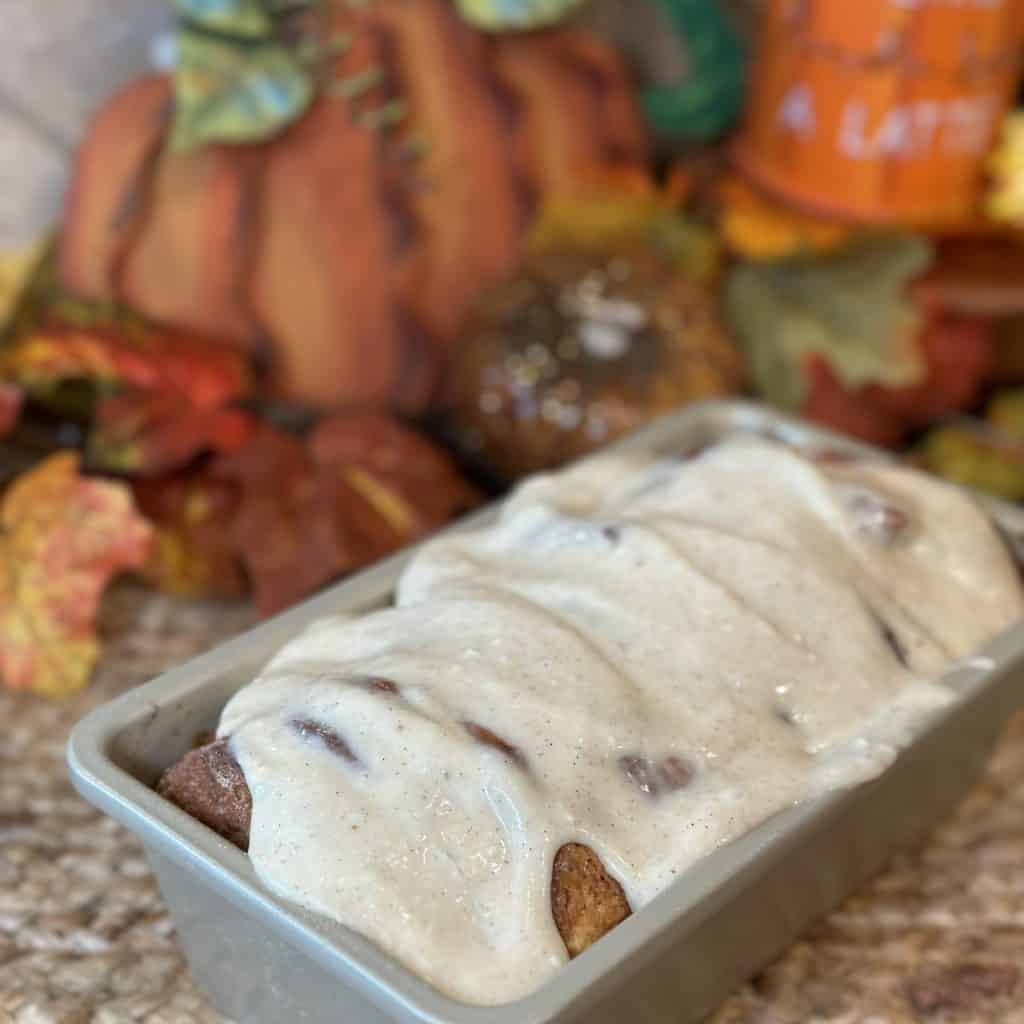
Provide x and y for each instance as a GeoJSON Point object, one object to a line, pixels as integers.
{"type": "Point", "coordinates": [850, 307]}
{"type": "Point", "coordinates": [230, 93]}
{"type": "Point", "coordinates": [249, 19]}
{"type": "Point", "coordinates": [500, 15]}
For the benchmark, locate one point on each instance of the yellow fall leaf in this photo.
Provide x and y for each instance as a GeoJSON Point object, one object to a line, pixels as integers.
{"type": "Point", "coordinates": [760, 229]}
{"type": "Point", "coordinates": [62, 538]}
{"type": "Point", "coordinates": [1005, 199]}
{"type": "Point", "coordinates": [15, 268]}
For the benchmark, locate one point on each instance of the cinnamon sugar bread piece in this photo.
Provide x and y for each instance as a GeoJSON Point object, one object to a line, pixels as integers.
{"type": "Point", "coordinates": [208, 784]}
{"type": "Point", "coordinates": [586, 902]}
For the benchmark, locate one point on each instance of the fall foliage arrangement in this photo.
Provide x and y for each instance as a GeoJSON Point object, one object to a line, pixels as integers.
{"type": "Point", "coordinates": [353, 265]}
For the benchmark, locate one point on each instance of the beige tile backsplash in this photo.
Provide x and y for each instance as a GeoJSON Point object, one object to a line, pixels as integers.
{"type": "Point", "coordinates": [58, 60]}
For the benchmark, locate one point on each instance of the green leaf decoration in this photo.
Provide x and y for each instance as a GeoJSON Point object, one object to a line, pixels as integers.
{"type": "Point", "coordinates": [230, 93]}
{"type": "Point", "coordinates": [516, 15]}
{"type": "Point", "coordinates": [851, 307]}
{"type": "Point", "coordinates": [706, 103]}
{"type": "Point", "coordinates": [248, 19]}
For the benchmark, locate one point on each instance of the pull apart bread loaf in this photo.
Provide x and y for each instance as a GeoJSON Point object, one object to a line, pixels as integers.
{"type": "Point", "coordinates": [642, 660]}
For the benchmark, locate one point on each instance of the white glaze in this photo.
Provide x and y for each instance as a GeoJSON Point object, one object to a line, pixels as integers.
{"type": "Point", "coordinates": [727, 590]}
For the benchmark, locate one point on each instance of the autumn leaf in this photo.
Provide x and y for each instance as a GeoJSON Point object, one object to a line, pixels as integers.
{"type": "Point", "coordinates": [984, 453]}
{"type": "Point", "coordinates": [246, 69]}
{"type": "Point", "coordinates": [515, 15]}
{"type": "Point", "coordinates": [1006, 413]}
{"type": "Point", "coordinates": [1005, 200]}
{"type": "Point", "coordinates": [1009, 343]}
{"type": "Point", "coordinates": [160, 360]}
{"type": "Point", "coordinates": [975, 454]}
{"type": "Point", "coordinates": [62, 538]}
{"type": "Point", "coordinates": [158, 400]}
{"type": "Point", "coordinates": [43, 302]}
{"type": "Point", "coordinates": [285, 527]}
{"type": "Point", "coordinates": [958, 354]}
{"type": "Point", "coordinates": [408, 479]}
{"type": "Point", "coordinates": [287, 515]}
{"type": "Point", "coordinates": [237, 92]}
{"type": "Point", "coordinates": [11, 400]}
{"type": "Point", "coordinates": [193, 553]}
{"type": "Point", "coordinates": [756, 227]}
{"type": "Point", "coordinates": [360, 487]}
{"type": "Point", "coordinates": [850, 308]}
{"type": "Point", "coordinates": [16, 268]}
{"type": "Point", "coordinates": [977, 275]}
{"type": "Point", "coordinates": [245, 19]}
{"type": "Point", "coordinates": [154, 432]}
{"type": "Point", "coordinates": [832, 405]}
{"type": "Point", "coordinates": [854, 341]}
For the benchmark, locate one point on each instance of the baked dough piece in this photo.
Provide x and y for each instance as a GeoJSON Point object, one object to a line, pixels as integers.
{"type": "Point", "coordinates": [207, 783]}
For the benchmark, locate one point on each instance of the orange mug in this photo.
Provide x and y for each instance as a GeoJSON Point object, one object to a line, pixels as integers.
{"type": "Point", "coordinates": [880, 111]}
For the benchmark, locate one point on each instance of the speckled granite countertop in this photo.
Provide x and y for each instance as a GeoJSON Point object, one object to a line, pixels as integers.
{"type": "Point", "coordinates": [85, 938]}
{"type": "Point", "coordinates": [84, 935]}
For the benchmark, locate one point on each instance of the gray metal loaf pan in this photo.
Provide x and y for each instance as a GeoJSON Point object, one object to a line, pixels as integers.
{"type": "Point", "coordinates": [262, 960]}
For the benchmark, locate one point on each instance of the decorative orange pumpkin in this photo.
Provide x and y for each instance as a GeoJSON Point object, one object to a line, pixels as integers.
{"type": "Point", "coordinates": [346, 252]}
{"type": "Point", "coordinates": [879, 110]}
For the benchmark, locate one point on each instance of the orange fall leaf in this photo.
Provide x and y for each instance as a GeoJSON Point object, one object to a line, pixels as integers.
{"type": "Point", "coordinates": [62, 538]}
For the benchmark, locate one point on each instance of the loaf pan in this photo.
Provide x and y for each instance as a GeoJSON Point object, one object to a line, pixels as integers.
{"type": "Point", "coordinates": [264, 961]}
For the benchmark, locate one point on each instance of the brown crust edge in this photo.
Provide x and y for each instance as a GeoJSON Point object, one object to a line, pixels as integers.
{"type": "Point", "coordinates": [586, 902]}
{"type": "Point", "coordinates": [208, 784]}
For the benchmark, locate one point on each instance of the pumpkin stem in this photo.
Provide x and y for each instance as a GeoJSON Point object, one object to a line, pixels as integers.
{"type": "Point", "coordinates": [359, 84]}
{"type": "Point", "coordinates": [385, 117]}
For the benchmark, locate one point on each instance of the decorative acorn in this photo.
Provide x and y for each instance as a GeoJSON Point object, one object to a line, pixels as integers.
{"type": "Point", "coordinates": [583, 345]}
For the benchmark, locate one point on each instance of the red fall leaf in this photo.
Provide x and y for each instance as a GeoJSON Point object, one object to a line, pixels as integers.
{"type": "Point", "coordinates": [959, 357]}
{"type": "Point", "coordinates": [155, 360]}
{"type": "Point", "coordinates": [193, 552]}
{"type": "Point", "coordinates": [11, 400]}
{"type": "Point", "coordinates": [163, 396]}
{"type": "Point", "coordinates": [360, 487]}
{"type": "Point", "coordinates": [150, 433]}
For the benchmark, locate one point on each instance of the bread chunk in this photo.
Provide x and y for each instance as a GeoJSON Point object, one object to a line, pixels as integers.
{"type": "Point", "coordinates": [207, 783]}
{"type": "Point", "coordinates": [586, 901]}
